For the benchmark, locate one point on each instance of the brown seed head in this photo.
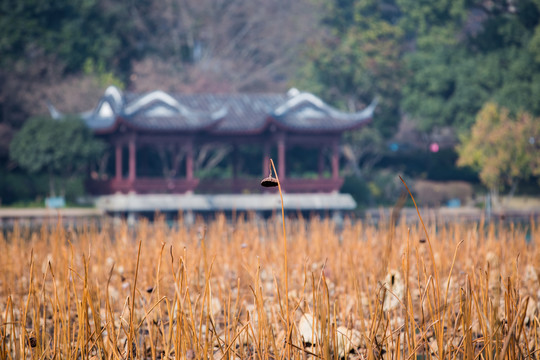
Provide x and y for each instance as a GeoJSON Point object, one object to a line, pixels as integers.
{"type": "Point", "coordinates": [32, 341]}
{"type": "Point", "coordinates": [269, 181]}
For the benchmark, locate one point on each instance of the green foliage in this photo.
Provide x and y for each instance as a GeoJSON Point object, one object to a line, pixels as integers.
{"type": "Point", "coordinates": [439, 61]}
{"type": "Point", "coordinates": [502, 147]}
{"type": "Point", "coordinates": [59, 147]}
{"type": "Point", "coordinates": [74, 188]}
{"type": "Point", "coordinates": [358, 189]}
{"type": "Point", "coordinates": [446, 87]}
{"type": "Point", "coordinates": [21, 189]}
{"type": "Point", "coordinates": [432, 22]}
{"type": "Point", "coordinates": [358, 60]}
{"type": "Point", "coordinates": [382, 187]}
{"type": "Point", "coordinates": [423, 164]}
{"type": "Point", "coordinates": [362, 149]}
{"type": "Point", "coordinates": [73, 32]}
{"type": "Point", "coordinates": [17, 186]}
{"type": "Point", "coordinates": [475, 55]}
{"type": "Point", "coordinates": [218, 172]}
{"type": "Point", "coordinates": [104, 77]}
{"type": "Point", "coordinates": [385, 186]}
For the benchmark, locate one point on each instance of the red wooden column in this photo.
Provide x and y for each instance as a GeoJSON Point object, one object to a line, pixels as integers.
{"type": "Point", "coordinates": [335, 160]}
{"type": "Point", "coordinates": [281, 157]}
{"type": "Point", "coordinates": [118, 161]}
{"type": "Point", "coordinates": [132, 161]}
{"type": "Point", "coordinates": [189, 160]}
{"type": "Point", "coordinates": [266, 160]}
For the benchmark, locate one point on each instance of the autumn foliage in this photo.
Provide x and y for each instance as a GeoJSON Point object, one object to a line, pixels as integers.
{"type": "Point", "coordinates": [503, 147]}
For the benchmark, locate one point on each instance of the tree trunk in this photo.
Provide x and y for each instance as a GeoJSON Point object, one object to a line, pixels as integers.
{"type": "Point", "coordinates": [513, 188]}
{"type": "Point", "coordinates": [210, 156]}
{"type": "Point", "coordinates": [494, 193]}
{"type": "Point", "coordinates": [352, 159]}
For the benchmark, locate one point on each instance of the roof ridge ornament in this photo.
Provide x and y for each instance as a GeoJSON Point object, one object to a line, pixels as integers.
{"type": "Point", "coordinates": [115, 94]}
{"type": "Point", "coordinates": [165, 99]}
{"type": "Point", "coordinates": [292, 92]}
{"type": "Point", "coordinates": [297, 99]}
{"type": "Point", "coordinates": [105, 109]}
{"type": "Point", "coordinates": [301, 97]}
{"type": "Point", "coordinates": [373, 104]}
{"type": "Point", "coordinates": [370, 109]}
{"type": "Point", "coordinates": [305, 110]}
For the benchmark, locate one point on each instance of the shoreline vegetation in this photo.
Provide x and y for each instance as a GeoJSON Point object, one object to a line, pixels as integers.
{"type": "Point", "coordinates": [216, 290]}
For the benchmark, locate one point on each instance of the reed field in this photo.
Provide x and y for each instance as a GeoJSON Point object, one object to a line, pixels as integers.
{"type": "Point", "coordinates": [221, 289]}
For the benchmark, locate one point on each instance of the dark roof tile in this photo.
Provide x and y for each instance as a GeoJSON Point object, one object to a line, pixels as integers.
{"type": "Point", "coordinates": [222, 113]}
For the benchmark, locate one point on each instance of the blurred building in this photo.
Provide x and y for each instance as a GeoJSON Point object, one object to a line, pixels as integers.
{"type": "Point", "coordinates": [209, 152]}
{"type": "Point", "coordinates": [159, 141]}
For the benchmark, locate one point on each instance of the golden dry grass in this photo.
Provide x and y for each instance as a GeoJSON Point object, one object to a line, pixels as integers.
{"type": "Point", "coordinates": [215, 290]}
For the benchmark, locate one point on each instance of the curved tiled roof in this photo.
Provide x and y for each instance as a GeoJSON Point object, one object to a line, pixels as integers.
{"type": "Point", "coordinates": [306, 112]}
{"type": "Point", "coordinates": [220, 113]}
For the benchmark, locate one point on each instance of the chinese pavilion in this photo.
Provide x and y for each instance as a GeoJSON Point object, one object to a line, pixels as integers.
{"type": "Point", "coordinates": [175, 129]}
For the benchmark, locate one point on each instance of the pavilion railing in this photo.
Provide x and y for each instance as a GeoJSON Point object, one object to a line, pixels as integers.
{"type": "Point", "coordinates": [143, 185]}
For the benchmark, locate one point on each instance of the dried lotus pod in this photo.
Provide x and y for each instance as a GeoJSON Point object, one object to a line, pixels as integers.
{"type": "Point", "coordinates": [32, 341]}
{"type": "Point", "coordinates": [269, 181]}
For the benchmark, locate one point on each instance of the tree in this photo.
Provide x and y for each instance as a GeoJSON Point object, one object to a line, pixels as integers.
{"type": "Point", "coordinates": [503, 148]}
{"type": "Point", "coordinates": [362, 149]}
{"type": "Point", "coordinates": [51, 49]}
{"type": "Point", "coordinates": [217, 46]}
{"type": "Point", "coordinates": [358, 59]}
{"type": "Point", "coordinates": [467, 53]}
{"type": "Point", "coordinates": [72, 30]}
{"type": "Point", "coordinates": [61, 148]}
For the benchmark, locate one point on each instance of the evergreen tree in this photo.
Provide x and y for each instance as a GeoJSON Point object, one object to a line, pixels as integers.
{"type": "Point", "coordinates": [475, 54]}
{"type": "Point", "coordinates": [61, 148]}
{"type": "Point", "coordinates": [358, 59]}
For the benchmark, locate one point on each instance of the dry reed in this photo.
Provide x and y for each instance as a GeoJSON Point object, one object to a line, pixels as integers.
{"type": "Point", "coordinates": [212, 291]}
